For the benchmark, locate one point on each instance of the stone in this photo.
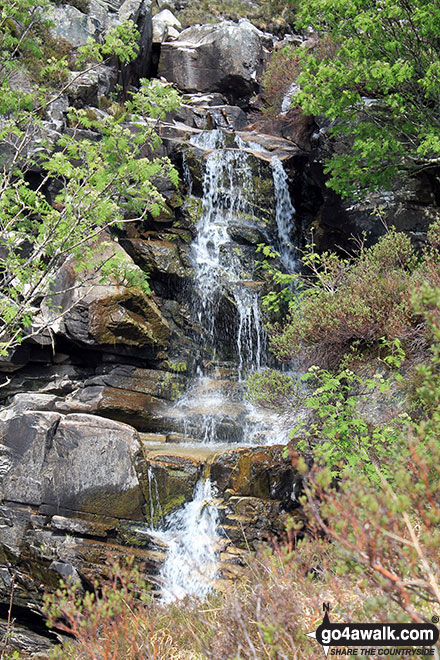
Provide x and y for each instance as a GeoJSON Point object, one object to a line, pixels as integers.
{"type": "Point", "coordinates": [26, 640]}
{"type": "Point", "coordinates": [134, 408]}
{"type": "Point", "coordinates": [79, 462]}
{"type": "Point", "coordinates": [162, 384]}
{"type": "Point", "coordinates": [165, 25]}
{"type": "Point", "coordinates": [105, 314]}
{"type": "Point", "coordinates": [85, 89]}
{"type": "Point", "coordinates": [226, 57]}
{"type": "Point", "coordinates": [293, 126]}
{"type": "Point", "coordinates": [140, 12]}
{"type": "Point", "coordinates": [168, 482]}
{"type": "Point", "coordinates": [160, 258]}
{"type": "Point", "coordinates": [260, 472]}
{"type": "Point", "coordinates": [130, 318]}
{"type": "Point", "coordinates": [74, 26]}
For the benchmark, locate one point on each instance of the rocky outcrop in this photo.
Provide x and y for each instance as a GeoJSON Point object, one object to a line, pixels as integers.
{"type": "Point", "coordinates": [75, 27]}
{"type": "Point", "coordinates": [96, 314]}
{"type": "Point", "coordinates": [75, 462]}
{"type": "Point", "coordinates": [70, 495]}
{"type": "Point", "coordinates": [161, 258]}
{"type": "Point", "coordinates": [227, 58]}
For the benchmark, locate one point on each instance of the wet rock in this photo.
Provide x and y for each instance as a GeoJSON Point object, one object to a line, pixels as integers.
{"type": "Point", "coordinates": [168, 482]}
{"type": "Point", "coordinates": [227, 58]}
{"type": "Point", "coordinates": [134, 408]}
{"type": "Point", "coordinates": [229, 117]}
{"type": "Point", "coordinates": [160, 257]}
{"type": "Point", "coordinates": [246, 234]}
{"type": "Point", "coordinates": [260, 472]}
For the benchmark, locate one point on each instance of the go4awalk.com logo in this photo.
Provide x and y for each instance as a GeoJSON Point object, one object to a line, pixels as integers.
{"type": "Point", "coordinates": [375, 639]}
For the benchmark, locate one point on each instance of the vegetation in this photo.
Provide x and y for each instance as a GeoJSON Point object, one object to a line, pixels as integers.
{"type": "Point", "coordinates": [378, 561]}
{"type": "Point", "coordinates": [274, 15]}
{"type": "Point", "coordinates": [363, 298]}
{"type": "Point", "coordinates": [59, 193]}
{"type": "Point", "coordinates": [359, 321]}
{"type": "Point", "coordinates": [379, 85]}
{"type": "Point", "coordinates": [371, 497]}
{"type": "Point", "coordinates": [278, 78]}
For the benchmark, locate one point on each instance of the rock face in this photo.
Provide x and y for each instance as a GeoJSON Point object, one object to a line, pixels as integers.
{"type": "Point", "coordinates": [227, 58]}
{"type": "Point", "coordinates": [70, 495]}
{"type": "Point", "coordinates": [74, 26]}
{"type": "Point", "coordinates": [76, 462]}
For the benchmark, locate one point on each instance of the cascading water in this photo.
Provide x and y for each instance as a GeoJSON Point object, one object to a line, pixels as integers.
{"type": "Point", "coordinates": [284, 214]}
{"type": "Point", "coordinates": [191, 535]}
{"type": "Point", "coordinates": [156, 513]}
{"type": "Point", "coordinates": [214, 409]}
{"type": "Point", "coordinates": [227, 174]}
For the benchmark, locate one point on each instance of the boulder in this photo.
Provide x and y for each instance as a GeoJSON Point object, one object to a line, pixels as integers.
{"type": "Point", "coordinates": [76, 462]}
{"type": "Point", "coordinates": [77, 27]}
{"type": "Point", "coordinates": [86, 88]}
{"type": "Point", "coordinates": [74, 26]}
{"type": "Point", "coordinates": [227, 57]}
{"type": "Point", "coordinates": [165, 26]}
{"type": "Point", "coordinates": [160, 257]}
{"type": "Point", "coordinates": [97, 314]}
{"type": "Point", "coordinates": [260, 472]}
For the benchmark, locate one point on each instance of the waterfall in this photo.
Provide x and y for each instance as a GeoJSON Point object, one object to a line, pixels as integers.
{"type": "Point", "coordinates": [284, 214]}
{"type": "Point", "coordinates": [156, 513]}
{"type": "Point", "coordinates": [214, 409]}
{"type": "Point", "coordinates": [191, 535]}
{"type": "Point", "coordinates": [217, 268]}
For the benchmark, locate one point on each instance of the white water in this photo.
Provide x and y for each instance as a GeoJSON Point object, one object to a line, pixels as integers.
{"type": "Point", "coordinates": [209, 407]}
{"type": "Point", "coordinates": [191, 535]}
{"type": "Point", "coordinates": [217, 267]}
{"type": "Point", "coordinates": [286, 103]}
{"type": "Point", "coordinates": [285, 214]}
{"type": "Point", "coordinates": [156, 513]}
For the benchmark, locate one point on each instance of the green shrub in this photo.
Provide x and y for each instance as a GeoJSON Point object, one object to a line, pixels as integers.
{"type": "Point", "coordinates": [272, 389]}
{"type": "Point", "coordinates": [341, 301]}
{"type": "Point", "coordinates": [280, 73]}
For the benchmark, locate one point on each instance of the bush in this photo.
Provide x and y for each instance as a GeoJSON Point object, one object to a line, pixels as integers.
{"type": "Point", "coordinates": [280, 73]}
{"type": "Point", "coordinates": [363, 299]}
{"type": "Point", "coordinates": [120, 620]}
{"type": "Point", "coordinates": [272, 389]}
